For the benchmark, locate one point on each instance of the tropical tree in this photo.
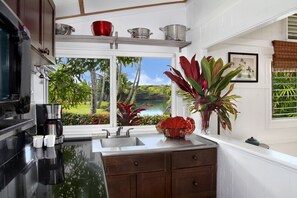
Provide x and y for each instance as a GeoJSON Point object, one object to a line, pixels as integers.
{"type": "Point", "coordinates": [70, 73]}
{"type": "Point", "coordinates": [66, 87]}
{"type": "Point", "coordinates": [132, 94]}
{"type": "Point", "coordinates": [128, 61]}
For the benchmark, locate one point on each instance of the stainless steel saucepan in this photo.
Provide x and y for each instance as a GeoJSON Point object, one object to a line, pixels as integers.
{"type": "Point", "coordinates": [175, 32]}
{"type": "Point", "coordinates": [63, 29]}
{"type": "Point", "coordinates": [142, 33]}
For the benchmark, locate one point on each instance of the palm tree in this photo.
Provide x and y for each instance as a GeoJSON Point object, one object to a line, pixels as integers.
{"type": "Point", "coordinates": [128, 61]}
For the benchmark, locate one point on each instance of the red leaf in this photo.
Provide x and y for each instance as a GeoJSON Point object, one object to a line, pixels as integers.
{"type": "Point", "coordinates": [181, 83]}
{"type": "Point", "coordinates": [186, 66]}
{"type": "Point", "coordinates": [195, 69]}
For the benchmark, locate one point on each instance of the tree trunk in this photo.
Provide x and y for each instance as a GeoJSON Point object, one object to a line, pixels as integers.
{"type": "Point", "coordinates": [94, 91]}
{"type": "Point", "coordinates": [102, 91]}
{"type": "Point", "coordinates": [132, 100]}
{"type": "Point", "coordinates": [119, 74]}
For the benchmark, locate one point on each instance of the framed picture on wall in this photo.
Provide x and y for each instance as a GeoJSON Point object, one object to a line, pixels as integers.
{"type": "Point", "coordinates": [249, 63]}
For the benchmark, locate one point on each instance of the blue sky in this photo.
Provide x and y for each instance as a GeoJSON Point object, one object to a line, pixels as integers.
{"type": "Point", "coordinates": [152, 70]}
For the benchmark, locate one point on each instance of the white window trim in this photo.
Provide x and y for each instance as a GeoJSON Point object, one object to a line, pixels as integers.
{"type": "Point", "coordinates": [95, 130]}
{"type": "Point", "coordinates": [276, 122]}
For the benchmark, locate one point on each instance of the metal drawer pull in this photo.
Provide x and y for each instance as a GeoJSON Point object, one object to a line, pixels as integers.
{"type": "Point", "coordinates": [136, 163]}
{"type": "Point", "coordinates": [195, 183]}
{"type": "Point", "coordinates": [194, 157]}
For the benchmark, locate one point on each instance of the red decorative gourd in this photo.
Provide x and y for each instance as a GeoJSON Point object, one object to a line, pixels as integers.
{"type": "Point", "coordinates": [176, 126]}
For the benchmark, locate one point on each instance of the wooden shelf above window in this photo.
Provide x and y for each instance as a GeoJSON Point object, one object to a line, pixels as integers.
{"type": "Point", "coordinates": [115, 40]}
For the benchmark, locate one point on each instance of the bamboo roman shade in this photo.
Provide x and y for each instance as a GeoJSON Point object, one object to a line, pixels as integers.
{"type": "Point", "coordinates": [285, 55]}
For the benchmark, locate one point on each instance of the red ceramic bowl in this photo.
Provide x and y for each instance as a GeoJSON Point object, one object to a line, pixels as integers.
{"type": "Point", "coordinates": [102, 28]}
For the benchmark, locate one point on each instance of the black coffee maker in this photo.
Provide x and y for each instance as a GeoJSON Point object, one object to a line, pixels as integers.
{"type": "Point", "coordinates": [49, 121]}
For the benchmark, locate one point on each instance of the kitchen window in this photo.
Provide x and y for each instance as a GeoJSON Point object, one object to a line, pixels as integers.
{"type": "Point", "coordinates": [284, 79]}
{"type": "Point", "coordinates": [103, 83]}
{"type": "Point", "coordinates": [284, 94]}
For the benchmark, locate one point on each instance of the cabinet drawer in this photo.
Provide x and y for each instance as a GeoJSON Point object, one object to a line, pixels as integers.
{"type": "Point", "coordinates": [194, 182]}
{"type": "Point", "coordinates": [184, 159]}
{"type": "Point", "coordinates": [134, 163]}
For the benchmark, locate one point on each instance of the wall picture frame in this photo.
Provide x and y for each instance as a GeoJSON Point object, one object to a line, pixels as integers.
{"type": "Point", "coordinates": [249, 63]}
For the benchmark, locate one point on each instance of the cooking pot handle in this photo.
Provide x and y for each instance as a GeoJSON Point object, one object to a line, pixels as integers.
{"type": "Point", "coordinates": [188, 29]}
{"type": "Point", "coordinates": [162, 29]}
{"type": "Point", "coordinates": [72, 29]}
{"type": "Point", "coordinates": [151, 33]}
{"type": "Point", "coordinates": [130, 31]}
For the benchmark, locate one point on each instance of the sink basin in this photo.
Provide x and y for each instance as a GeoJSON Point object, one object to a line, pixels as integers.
{"type": "Point", "coordinates": [121, 142]}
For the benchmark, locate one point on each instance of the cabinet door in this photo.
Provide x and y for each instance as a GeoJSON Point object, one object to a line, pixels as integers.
{"type": "Point", "coordinates": [13, 4]}
{"type": "Point", "coordinates": [121, 186]}
{"type": "Point", "coordinates": [151, 184]}
{"type": "Point", "coordinates": [30, 14]}
{"type": "Point", "coordinates": [197, 182]}
{"type": "Point", "coordinates": [48, 15]}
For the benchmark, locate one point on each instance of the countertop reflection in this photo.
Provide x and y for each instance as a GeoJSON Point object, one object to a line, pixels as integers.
{"type": "Point", "coordinates": [68, 170]}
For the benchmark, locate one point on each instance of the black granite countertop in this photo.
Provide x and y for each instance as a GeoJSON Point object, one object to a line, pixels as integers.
{"type": "Point", "coordinates": [72, 169]}
{"type": "Point", "coordinates": [68, 170]}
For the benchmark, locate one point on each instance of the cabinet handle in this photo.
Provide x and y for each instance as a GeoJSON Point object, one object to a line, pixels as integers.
{"type": "Point", "coordinates": [44, 51]}
{"type": "Point", "coordinates": [195, 183]}
{"type": "Point", "coordinates": [136, 163]}
{"type": "Point", "coordinates": [194, 157]}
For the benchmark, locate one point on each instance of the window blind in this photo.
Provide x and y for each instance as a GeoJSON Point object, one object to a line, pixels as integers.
{"type": "Point", "coordinates": [285, 55]}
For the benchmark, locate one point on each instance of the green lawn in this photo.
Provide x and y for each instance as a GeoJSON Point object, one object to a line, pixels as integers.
{"type": "Point", "coordinates": [85, 109]}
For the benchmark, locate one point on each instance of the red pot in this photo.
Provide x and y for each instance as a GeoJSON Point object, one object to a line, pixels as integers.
{"type": "Point", "coordinates": [102, 28]}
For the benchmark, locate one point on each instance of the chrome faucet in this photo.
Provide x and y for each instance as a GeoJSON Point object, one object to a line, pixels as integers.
{"type": "Point", "coordinates": [118, 133]}
{"type": "Point", "coordinates": [128, 132]}
{"type": "Point", "coordinates": [107, 132]}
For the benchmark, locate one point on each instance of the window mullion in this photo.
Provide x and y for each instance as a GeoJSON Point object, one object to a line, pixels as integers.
{"type": "Point", "coordinates": [113, 92]}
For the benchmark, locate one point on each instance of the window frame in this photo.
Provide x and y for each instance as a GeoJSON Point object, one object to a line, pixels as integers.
{"type": "Point", "coordinates": [94, 130]}
{"type": "Point", "coordinates": [276, 122]}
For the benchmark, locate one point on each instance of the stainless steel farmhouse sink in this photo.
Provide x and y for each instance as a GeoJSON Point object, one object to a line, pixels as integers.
{"type": "Point", "coordinates": [121, 142]}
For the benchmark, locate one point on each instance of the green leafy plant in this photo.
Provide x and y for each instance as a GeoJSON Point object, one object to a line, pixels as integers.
{"type": "Point", "coordinates": [126, 116]}
{"type": "Point", "coordinates": [203, 87]}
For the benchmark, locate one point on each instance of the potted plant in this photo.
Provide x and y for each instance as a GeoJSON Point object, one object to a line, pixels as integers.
{"type": "Point", "coordinates": [203, 88]}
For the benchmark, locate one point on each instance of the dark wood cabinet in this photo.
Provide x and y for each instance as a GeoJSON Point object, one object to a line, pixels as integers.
{"type": "Point", "coordinates": [39, 17]}
{"type": "Point", "coordinates": [31, 16]}
{"type": "Point", "coordinates": [194, 173]}
{"type": "Point", "coordinates": [123, 186]}
{"type": "Point", "coordinates": [151, 184]}
{"type": "Point", "coordinates": [180, 174]}
{"type": "Point", "coordinates": [48, 33]}
{"type": "Point", "coordinates": [140, 176]}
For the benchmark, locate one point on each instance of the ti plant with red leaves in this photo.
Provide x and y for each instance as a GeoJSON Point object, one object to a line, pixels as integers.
{"type": "Point", "coordinates": [127, 116]}
{"type": "Point", "coordinates": [203, 87]}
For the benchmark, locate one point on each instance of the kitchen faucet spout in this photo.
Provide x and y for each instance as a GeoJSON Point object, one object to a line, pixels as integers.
{"type": "Point", "coordinates": [118, 133]}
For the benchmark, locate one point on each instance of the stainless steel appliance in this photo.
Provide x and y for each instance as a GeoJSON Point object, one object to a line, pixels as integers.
{"type": "Point", "coordinates": [49, 121]}
{"type": "Point", "coordinates": [15, 64]}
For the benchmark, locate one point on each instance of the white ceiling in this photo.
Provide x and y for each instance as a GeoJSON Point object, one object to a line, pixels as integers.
{"type": "Point", "coordinates": [74, 8]}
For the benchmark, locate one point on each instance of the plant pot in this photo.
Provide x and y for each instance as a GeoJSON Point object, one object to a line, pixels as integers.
{"type": "Point", "coordinates": [205, 117]}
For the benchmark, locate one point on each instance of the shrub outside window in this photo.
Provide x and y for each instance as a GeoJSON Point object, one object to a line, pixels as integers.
{"type": "Point", "coordinates": [84, 88]}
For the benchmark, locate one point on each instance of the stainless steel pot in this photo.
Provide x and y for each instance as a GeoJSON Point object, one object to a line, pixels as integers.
{"type": "Point", "coordinates": [63, 29]}
{"type": "Point", "coordinates": [175, 32]}
{"type": "Point", "coordinates": [142, 33]}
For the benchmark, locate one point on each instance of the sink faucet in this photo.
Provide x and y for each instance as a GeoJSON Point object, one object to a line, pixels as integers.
{"type": "Point", "coordinates": [128, 132]}
{"type": "Point", "coordinates": [107, 132]}
{"type": "Point", "coordinates": [118, 133]}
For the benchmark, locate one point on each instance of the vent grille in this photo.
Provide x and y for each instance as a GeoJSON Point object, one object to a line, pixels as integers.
{"type": "Point", "coordinates": [292, 27]}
